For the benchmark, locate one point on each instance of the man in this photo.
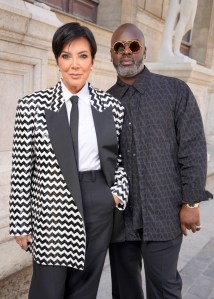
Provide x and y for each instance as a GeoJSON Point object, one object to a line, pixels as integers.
{"type": "Point", "coordinates": [164, 154]}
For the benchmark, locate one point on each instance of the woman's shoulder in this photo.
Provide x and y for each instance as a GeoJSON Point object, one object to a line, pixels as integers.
{"type": "Point", "coordinates": [38, 95]}
{"type": "Point", "coordinates": [40, 98]}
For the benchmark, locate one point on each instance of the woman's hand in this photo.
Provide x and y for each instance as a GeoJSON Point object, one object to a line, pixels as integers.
{"type": "Point", "coordinates": [116, 199]}
{"type": "Point", "coordinates": [23, 241]}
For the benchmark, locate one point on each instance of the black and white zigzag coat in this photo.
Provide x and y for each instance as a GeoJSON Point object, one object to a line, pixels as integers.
{"type": "Point", "coordinates": [45, 196]}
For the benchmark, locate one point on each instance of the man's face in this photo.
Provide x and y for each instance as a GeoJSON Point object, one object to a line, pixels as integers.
{"type": "Point", "coordinates": [127, 52]}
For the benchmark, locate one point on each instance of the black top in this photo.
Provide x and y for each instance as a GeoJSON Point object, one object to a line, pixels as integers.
{"type": "Point", "coordinates": [164, 153]}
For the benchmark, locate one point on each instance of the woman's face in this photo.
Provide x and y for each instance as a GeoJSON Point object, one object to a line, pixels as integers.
{"type": "Point", "coordinates": [75, 63]}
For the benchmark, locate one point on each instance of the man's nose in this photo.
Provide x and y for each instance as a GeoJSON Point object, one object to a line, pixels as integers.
{"type": "Point", "coordinates": [127, 49]}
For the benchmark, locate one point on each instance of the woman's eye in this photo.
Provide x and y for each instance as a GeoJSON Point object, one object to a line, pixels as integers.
{"type": "Point", "coordinates": [65, 56]}
{"type": "Point", "coordinates": [84, 56]}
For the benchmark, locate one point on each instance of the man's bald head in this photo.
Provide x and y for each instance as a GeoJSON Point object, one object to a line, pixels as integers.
{"type": "Point", "coordinates": [125, 30]}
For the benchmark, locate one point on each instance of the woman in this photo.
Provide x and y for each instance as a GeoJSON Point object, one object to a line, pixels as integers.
{"type": "Point", "coordinates": [64, 190]}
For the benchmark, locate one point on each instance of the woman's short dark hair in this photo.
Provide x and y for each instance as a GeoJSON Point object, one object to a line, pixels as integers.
{"type": "Point", "coordinates": [69, 32]}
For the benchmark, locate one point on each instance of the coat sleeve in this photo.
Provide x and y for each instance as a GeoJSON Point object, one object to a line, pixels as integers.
{"type": "Point", "coordinates": [192, 151]}
{"type": "Point", "coordinates": [22, 168]}
{"type": "Point", "coordinates": [120, 187]}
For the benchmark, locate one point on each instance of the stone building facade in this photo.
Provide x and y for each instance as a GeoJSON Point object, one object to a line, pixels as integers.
{"type": "Point", "coordinates": [27, 64]}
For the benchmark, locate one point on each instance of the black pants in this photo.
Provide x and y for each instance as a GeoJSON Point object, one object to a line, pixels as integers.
{"type": "Point", "coordinates": [160, 264]}
{"type": "Point", "coordinates": [58, 282]}
{"type": "Point", "coordinates": [126, 265]}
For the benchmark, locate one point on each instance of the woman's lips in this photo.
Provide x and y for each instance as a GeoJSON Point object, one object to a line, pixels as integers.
{"type": "Point", "coordinates": [75, 76]}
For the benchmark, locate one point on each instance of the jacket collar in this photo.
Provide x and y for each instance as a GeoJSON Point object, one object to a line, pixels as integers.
{"type": "Point", "coordinates": [96, 98]}
{"type": "Point", "coordinates": [57, 97]}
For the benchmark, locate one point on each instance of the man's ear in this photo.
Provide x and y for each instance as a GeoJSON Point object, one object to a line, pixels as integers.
{"type": "Point", "coordinates": [144, 54]}
{"type": "Point", "coordinates": [111, 59]}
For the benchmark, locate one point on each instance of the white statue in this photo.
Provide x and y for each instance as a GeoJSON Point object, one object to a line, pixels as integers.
{"type": "Point", "coordinates": [179, 20]}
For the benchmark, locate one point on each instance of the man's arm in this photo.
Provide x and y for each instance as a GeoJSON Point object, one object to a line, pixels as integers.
{"type": "Point", "coordinates": [192, 157]}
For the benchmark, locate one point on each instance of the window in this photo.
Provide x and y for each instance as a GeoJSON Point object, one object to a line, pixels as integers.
{"type": "Point", "coordinates": [85, 9]}
{"type": "Point", "coordinates": [186, 43]}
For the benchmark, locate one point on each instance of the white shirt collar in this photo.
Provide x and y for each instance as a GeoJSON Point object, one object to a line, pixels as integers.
{"type": "Point", "coordinates": [83, 94]}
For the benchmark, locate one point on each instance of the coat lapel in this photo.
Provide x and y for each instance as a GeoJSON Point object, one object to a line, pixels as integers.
{"type": "Point", "coordinates": [106, 137]}
{"type": "Point", "coordinates": [60, 136]}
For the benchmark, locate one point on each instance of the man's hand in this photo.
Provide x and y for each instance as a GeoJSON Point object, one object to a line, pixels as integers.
{"type": "Point", "coordinates": [23, 241]}
{"type": "Point", "coordinates": [190, 219]}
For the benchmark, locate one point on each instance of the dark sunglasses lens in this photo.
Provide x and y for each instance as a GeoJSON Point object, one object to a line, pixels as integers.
{"type": "Point", "coordinates": [119, 47]}
{"type": "Point", "coordinates": [134, 46]}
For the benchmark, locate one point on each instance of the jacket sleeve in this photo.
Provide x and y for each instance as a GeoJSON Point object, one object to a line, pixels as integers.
{"type": "Point", "coordinates": [120, 187]}
{"type": "Point", "coordinates": [22, 168]}
{"type": "Point", "coordinates": [192, 151]}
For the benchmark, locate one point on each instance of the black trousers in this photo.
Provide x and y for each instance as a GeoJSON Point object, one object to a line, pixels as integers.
{"type": "Point", "coordinates": [160, 264]}
{"type": "Point", "coordinates": [58, 282]}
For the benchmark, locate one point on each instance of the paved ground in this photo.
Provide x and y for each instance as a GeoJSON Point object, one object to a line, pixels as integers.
{"type": "Point", "coordinates": [196, 265]}
{"type": "Point", "coordinates": [196, 262]}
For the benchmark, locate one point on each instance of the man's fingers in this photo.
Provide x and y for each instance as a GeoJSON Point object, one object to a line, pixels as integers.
{"type": "Point", "coordinates": [194, 228]}
{"type": "Point", "coordinates": [183, 229]}
{"type": "Point", "coordinates": [198, 227]}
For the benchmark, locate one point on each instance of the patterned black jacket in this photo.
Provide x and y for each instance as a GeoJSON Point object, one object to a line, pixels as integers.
{"type": "Point", "coordinates": [163, 146]}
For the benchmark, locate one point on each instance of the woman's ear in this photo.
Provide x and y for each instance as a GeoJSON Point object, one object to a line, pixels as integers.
{"type": "Point", "coordinates": [93, 59]}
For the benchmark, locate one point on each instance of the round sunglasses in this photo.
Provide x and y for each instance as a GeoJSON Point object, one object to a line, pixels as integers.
{"type": "Point", "coordinates": [134, 46]}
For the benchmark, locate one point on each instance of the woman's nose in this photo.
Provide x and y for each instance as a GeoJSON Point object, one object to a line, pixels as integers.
{"type": "Point", "coordinates": [74, 63]}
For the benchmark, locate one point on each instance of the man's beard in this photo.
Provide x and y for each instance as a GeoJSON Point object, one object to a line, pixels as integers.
{"type": "Point", "coordinates": [129, 71]}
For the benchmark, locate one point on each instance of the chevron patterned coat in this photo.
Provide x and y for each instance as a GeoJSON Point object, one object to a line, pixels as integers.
{"type": "Point", "coordinates": [45, 196]}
